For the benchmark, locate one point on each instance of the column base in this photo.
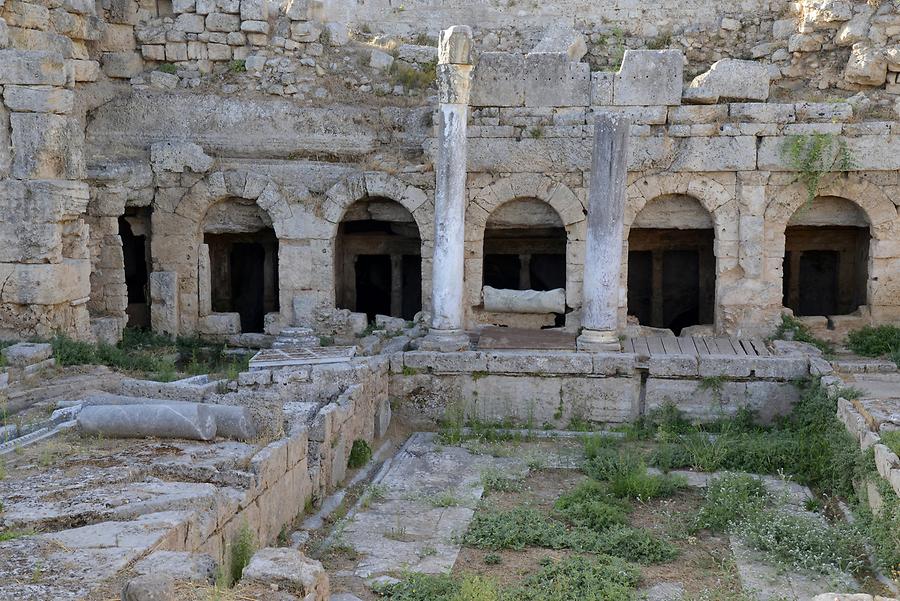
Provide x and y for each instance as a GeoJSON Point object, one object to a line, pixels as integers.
{"type": "Point", "coordinates": [445, 341]}
{"type": "Point", "coordinates": [598, 341]}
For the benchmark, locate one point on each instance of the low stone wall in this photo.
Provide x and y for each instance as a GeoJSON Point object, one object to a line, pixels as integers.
{"type": "Point", "coordinates": [557, 388]}
{"type": "Point", "coordinates": [306, 464]}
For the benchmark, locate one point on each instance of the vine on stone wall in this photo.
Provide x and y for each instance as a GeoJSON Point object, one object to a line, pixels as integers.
{"type": "Point", "coordinates": [812, 156]}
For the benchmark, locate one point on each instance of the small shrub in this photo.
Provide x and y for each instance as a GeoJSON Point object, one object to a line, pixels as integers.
{"type": "Point", "coordinates": [627, 477]}
{"type": "Point", "coordinates": [803, 541]}
{"type": "Point", "coordinates": [242, 549]}
{"type": "Point", "coordinates": [360, 454]}
{"type": "Point", "coordinates": [585, 579]}
{"type": "Point", "coordinates": [526, 527]}
{"type": "Point", "coordinates": [589, 505]}
{"type": "Point", "coordinates": [168, 68]}
{"type": "Point", "coordinates": [875, 341]}
{"type": "Point", "coordinates": [883, 531]}
{"type": "Point", "coordinates": [730, 499]}
{"type": "Point", "coordinates": [892, 441]}
{"type": "Point", "coordinates": [493, 480]}
{"type": "Point", "coordinates": [237, 66]}
{"type": "Point", "coordinates": [812, 156]}
{"type": "Point", "coordinates": [492, 559]}
{"type": "Point", "coordinates": [412, 78]}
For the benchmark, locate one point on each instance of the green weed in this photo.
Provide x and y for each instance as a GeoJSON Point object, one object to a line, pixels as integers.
{"type": "Point", "coordinates": [360, 454]}
{"type": "Point", "coordinates": [730, 499]}
{"type": "Point", "coordinates": [801, 333]}
{"type": "Point", "coordinates": [875, 341]}
{"type": "Point", "coordinates": [243, 546]}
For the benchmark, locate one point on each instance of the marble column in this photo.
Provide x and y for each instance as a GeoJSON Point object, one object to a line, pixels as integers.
{"type": "Point", "coordinates": [603, 249]}
{"type": "Point", "coordinates": [454, 74]}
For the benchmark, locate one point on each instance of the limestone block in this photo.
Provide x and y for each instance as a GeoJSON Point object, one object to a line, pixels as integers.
{"type": "Point", "coordinates": [24, 354]}
{"type": "Point", "coordinates": [290, 570]}
{"type": "Point", "coordinates": [220, 323]}
{"type": "Point", "coordinates": [599, 400]}
{"type": "Point", "coordinates": [649, 77]}
{"type": "Point", "coordinates": [254, 10]}
{"type": "Point", "coordinates": [46, 146]}
{"type": "Point", "coordinates": [178, 157]}
{"type": "Point", "coordinates": [780, 368]}
{"type": "Point", "coordinates": [31, 67]}
{"type": "Point", "coordinates": [296, 10]}
{"type": "Point", "coordinates": [867, 65]}
{"type": "Point", "coordinates": [163, 81]}
{"type": "Point", "coordinates": [455, 46]}
{"type": "Point", "coordinates": [381, 61]}
{"type": "Point", "coordinates": [176, 51]}
{"type": "Point", "coordinates": [107, 330]}
{"type": "Point", "coordinates": [223, 22]}
{"type": "Point", "coordinates": [551, 79]}
{"type": "Point", "coordinates": [117, 38]}
{"type": "Point", "coordinates": [602, 88]}
{"type": "Point", "coordinates": [548, 362]}
{"type": "Point", "coordinates": [190, 23]}
{"type": "Point", "coordinates": [85, 70]}
{"type": "Point", "coordinates": [164, 314]}
{"type": "Point", "coordinates": [27, 15]}
{"type": "Point", "coordinates": [853, 31]}
{"type": "Point", "coordinates": [730, 79]}
{"type": "Point", "coordinates": [713, 366]}
{"type": "Point", "coordinates": [826, 112]}
{"type": "Point", "coordinates": [560, 37]}
{"type": "Point", "coordinates": [218, 52]}
{"type": "Point", "coordinates": [614, 364]}
{"type": "Point", "coordinates": [499, 80]}
{"type": "Point", "coordinates": [758, 112]}
{"type": "Point", "coordinates": [674, 365]}
{"type": "Point", "coordinates": [732, 153]}
{"type": "Point", "coordinates": [150, 587]}
{"type": "Point", "coordinates": [183, 566]}
{"type": "Point", "coordinates": [183, 6]}
{"type": "Point", "coordinates": [38, 99]}
{"type": "Point", "coordinates": [122, 65]}
{"type": "Point", "coordinates": [255, 26]}
{"type": "Point", "coordinates": [885, 460]}
{"type": "Point", "coordinates": [305, 31]}
{"type": "Point", "coordinates": [339, 34]}
{"type": "Point", "coordinates": [524, 301]}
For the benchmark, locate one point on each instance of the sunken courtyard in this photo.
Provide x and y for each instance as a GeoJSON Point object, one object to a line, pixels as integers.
{"type": "Point", "coordinates": [449, 300]}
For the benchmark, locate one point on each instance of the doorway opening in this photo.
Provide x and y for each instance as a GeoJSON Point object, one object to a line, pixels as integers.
{"type": "Point", "coordinates": [672, 265]}
{"type": "Point", "coordinates": [826, 258]}
{"type": "Point", "coordinates": [134, 231]}
{"type": "Point", "coordinates": [378, 262]}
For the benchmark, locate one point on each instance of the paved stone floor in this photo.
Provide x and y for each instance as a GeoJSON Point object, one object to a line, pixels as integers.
{"type": "Point", "coordinates": [405, 528]}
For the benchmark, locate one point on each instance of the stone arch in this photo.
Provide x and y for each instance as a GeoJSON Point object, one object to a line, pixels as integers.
{"type": "Point", "coordinates": [375, 184]}
{"type": "Point", "coordinates": [359, 186]}
{"type": "Point", "coordinates": [881, 214]}
{"type": "Point", "coordinates": [714, 196]}
{"type": "Point", "coordinates": [560, 197]}
{"type": "Point", "coordinates": [176, 247]}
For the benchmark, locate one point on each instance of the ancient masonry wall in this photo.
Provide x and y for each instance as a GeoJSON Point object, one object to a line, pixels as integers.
{"type": "Point", "coordinates": [307, 462]}
{"type": "Point", "coordinates": [303, 108]}
{"type": "Point", "coordinates": [557, 389]}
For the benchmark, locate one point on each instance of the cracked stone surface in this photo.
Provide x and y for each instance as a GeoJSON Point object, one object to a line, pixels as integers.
{"type": "Point", "coordinates": [404, 530]}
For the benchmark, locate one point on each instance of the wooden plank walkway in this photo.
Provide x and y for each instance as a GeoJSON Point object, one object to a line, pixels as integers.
{"type": "Point", "coordinates": [494, 338]}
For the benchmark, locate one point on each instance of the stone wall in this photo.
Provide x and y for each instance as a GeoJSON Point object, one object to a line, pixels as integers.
{"type": "Point", "coordinates": [555, 388]}
{"type": "Point", "coordinates": [305, 108]}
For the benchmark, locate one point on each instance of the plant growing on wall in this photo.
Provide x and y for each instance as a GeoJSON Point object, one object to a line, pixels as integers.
{"type": "Point", "coordinates": [814, 155]}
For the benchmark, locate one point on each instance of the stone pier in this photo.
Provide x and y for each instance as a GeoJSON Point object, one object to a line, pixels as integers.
{"type": "Point", "coordinates": [454, 72]}
{"type": "Point", "coordinates": [603, 249]}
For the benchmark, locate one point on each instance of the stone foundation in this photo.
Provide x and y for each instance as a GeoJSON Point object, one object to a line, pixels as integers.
{"type": "Point", "coordinates": [555, 389]}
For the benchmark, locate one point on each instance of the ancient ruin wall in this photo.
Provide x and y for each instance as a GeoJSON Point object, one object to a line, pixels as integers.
{"type": "Point", "coordinates": [305, 98]}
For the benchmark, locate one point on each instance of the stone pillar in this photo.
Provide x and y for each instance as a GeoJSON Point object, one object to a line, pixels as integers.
{"type": "Point", "coordinates": [454, 74]}
{"type": "Point", "coordinates": [603, 248]}
{"type": "Point", "coordinates": [396, 285]}
{"type": "Point", "coordinates": [204, 281]}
